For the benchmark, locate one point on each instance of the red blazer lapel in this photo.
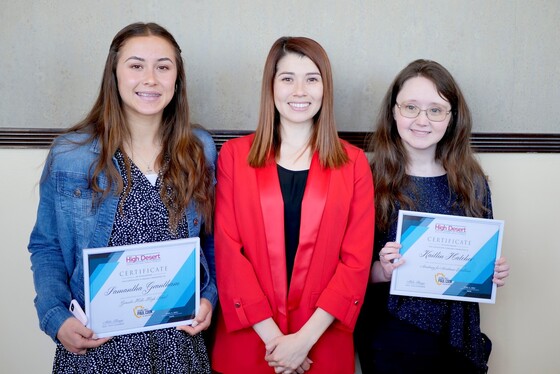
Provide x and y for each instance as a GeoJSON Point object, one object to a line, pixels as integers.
{"type": "Point", "coordinates": [313, 205]}
{"type": "Point", "coordinates": [272, 206]}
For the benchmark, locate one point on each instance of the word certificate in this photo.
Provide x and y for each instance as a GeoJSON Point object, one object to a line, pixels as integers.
{"type": "Point", "coordinates": [447, 257]}
{"type": "Point", "coordinates": [142, 287]}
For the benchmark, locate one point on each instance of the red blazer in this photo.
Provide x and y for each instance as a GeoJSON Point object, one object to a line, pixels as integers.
{"type": "Point", "coordinates": [331, 268]}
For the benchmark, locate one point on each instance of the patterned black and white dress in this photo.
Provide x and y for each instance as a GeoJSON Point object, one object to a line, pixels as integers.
{"type": "Point", "coordinates": [144, 219]}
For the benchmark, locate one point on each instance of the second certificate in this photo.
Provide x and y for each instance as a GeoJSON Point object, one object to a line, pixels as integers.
{"type": "Point", "coordinates": [447, 257]}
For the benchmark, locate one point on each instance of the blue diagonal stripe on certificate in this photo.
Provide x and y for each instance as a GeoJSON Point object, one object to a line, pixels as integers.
{"type": "Point", "coordinates": [481, 266]}
{"type": "Point", "coordinates": [415, 228]}
{"type": "Point", "coordinates": [101, 266]}
{"type": "Point", "coordinates": [176, 297]}
{"type": "Point", "coordinates": [479, 290]}
{"type": "Point", "coordinates": [180, 313]}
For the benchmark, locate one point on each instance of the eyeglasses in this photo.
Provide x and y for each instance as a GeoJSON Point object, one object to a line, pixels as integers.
{"type": "Point", "coordinates": [435, 113]}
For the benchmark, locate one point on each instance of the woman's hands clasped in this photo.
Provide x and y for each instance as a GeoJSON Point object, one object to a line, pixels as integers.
{"type": "Point", "coordinates": [288, 354]}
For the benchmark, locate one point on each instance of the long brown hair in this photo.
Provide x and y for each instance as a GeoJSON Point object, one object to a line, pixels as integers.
{"type": "Point", "coordinates": [464, 173]}
{"type": "Point", "coordinates": [324, 138]}
{"type": "Point", "coordinates": [186, 174]}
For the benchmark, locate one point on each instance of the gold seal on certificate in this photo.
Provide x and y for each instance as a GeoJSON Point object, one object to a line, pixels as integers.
{"type": "Point", "coordinates": [141, 287]}
{"type": "Point", "coordinates": [447, 257]}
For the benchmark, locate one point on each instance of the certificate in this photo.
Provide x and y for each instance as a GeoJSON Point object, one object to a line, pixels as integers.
{"type": "Point", "coordinates": [447, 257]}
{"type": "Point", "coordinates": [141, 287]}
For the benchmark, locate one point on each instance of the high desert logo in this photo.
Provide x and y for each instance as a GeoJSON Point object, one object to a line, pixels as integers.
{"type": "Point", "coordinates": [140, 259]}
{"type": "Point", "coordinates": [452, 229]}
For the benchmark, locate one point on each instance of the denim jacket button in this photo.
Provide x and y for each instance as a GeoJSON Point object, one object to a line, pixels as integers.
{"type": "Point", "coordinates": [77, 192]}
{"type": "Point", "coordinates": [195, 221]}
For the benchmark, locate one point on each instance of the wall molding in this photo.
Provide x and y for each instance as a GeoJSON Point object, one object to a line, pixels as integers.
{"type": "Point", "coordinates": [481, 142]}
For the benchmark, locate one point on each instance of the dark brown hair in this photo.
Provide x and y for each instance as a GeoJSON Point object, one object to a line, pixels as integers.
{"type": "Point", "coordinates": [186, 175]}
{"type": "Point", "coordinates": [324, 139]}
{"type": "Point", "coordinates": [390, 158]}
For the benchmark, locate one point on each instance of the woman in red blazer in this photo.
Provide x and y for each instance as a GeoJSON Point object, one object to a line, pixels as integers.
{"type": "Point", "coordinates": [294, 227]}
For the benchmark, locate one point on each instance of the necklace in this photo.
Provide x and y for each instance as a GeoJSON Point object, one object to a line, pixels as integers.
{"type": "Point", "coordinates": [149, 169]}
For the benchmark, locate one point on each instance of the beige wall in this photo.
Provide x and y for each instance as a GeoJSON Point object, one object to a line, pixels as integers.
{"type": "Point", "coordinates": [523, 323]}
{"type": "Point", "coordinates": [23, 347]}
{"type": "Point", "coordinates": [504, 53]}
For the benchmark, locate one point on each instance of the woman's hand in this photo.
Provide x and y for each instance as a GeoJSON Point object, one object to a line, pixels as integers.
{"type": "Point", "coordinates": [389, 260]}
{"type": "Point", "coordinates": [501, 271]}
{"type": "Point", "coordinates": [306, 365]}
{"type": "Point", "coordinates": [77, 338]}
{"type": "Point", "coordinates": [202, 320]}
{"type": "Point", "coordinates": [288, 354]}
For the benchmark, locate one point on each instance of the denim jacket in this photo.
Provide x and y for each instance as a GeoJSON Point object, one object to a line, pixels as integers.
{"type": "Point", "coordinates": [67, 223]}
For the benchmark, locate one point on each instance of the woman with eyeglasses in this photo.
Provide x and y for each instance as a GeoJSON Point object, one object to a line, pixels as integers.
{"type": "Point", "coordinates": [422, 161]}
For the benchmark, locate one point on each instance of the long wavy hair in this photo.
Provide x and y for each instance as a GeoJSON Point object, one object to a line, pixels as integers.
{"type": "Point", "coordinates": [324, 138]}
{"type": "Point", "coordinates": [186, 174]}
{"type": "Point", "coordinates": [389, 157]}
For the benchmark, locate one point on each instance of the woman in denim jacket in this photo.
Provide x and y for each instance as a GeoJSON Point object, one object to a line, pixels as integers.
{"type": "Point", "coordinates": [133, 171]}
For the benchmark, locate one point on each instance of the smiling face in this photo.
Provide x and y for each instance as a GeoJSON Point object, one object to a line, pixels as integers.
{"type": "Point", "coordinates": [420, 134]}
{"type": "Point", "coordinates": [298, 90]}
{"type": "Point", "coordinates": [146, 75]}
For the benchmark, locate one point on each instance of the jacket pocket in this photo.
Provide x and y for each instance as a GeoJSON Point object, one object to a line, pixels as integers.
{"type": "Point", "coordinates": [77, 207]}
{"type": "Point", "coordinates": [76, 194]}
